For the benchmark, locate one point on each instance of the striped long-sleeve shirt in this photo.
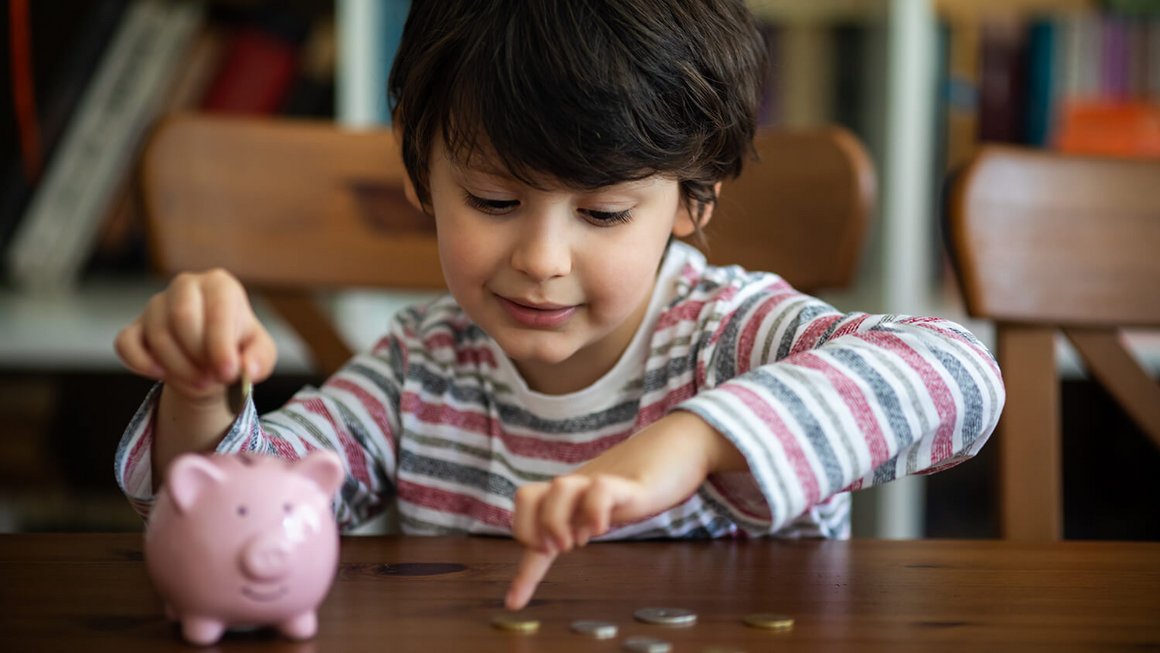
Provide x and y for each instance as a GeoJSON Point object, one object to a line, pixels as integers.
{"type": "Point", "coordinates": [436, 418]}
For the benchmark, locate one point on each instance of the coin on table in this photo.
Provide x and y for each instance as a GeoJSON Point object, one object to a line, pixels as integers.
{"type": "Point", "coordinates": [647, 645]}
{"type": "Point", "coordinates": [595, 629]}
{"type": "Point", "coordinates": [666, 616]}
{"type": "Point", "coordinates": [515, 623]}
{"type": "Point", "coordinates": [769, 621]}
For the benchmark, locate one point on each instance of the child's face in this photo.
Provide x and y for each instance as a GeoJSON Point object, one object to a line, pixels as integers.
{"type": "Point", "coordinates": [560, 278]}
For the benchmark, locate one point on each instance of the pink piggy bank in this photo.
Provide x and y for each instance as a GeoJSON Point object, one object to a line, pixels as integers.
{"type": "Point", "coordinates": [244, 540]}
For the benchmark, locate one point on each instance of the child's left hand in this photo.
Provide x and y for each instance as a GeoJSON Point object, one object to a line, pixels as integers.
{"type": "Point", "coordinates": [652, 471]}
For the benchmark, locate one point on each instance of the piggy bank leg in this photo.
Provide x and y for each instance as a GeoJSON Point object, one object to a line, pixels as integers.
{"type": "Point", "coordinates": [201, 630]}
{"type": "Point", "coordinates": [302, 626]}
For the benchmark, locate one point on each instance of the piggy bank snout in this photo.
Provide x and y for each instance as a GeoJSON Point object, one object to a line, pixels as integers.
{"type": "Point", "coordinates": [266, 557]}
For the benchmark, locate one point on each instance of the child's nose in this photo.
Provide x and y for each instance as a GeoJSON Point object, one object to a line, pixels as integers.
{"type": "Point", "coordinates": [542, 250]}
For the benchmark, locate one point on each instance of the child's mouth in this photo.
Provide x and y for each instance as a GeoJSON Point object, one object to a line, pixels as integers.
{"type": "Point", "coordinates": [540, 316]}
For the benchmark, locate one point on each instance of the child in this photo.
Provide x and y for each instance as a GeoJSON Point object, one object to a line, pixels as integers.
{"type": "Point", "coordinates": [588, 375]}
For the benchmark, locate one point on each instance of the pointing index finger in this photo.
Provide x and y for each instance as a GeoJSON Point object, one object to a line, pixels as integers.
{"type": "Point", "coordinates": [533, 567]}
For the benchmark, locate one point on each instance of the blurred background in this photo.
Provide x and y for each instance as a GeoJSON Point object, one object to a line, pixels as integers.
{"type": "Point", "coordinates": [921, 82]}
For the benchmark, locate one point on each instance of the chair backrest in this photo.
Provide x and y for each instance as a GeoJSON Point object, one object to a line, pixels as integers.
{"type": "Point", "coordinates": [1045, 242]}
{"type": "Point", "coordinates": [802, 210]}
{"type": "Point", "coordinates": [293, 207]}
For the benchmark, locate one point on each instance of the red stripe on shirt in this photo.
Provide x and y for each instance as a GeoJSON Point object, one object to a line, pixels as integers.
{"type": "Point", "coordinates": [809, 338]}
{"type": "Point", "coordinates": [454, 503]}
{"type": "Point", "coordinates": [531, 446]}
{"type": "Point", "coordinates": [683, 312]}
{"type": "Point", "coordinates": [855, 401]}
{"type": "Point", "coordinates": [659, 408]}
{"type": "Point", "coordinates": [353, 453]}
{"type": "Point", "coordinates": [789, 444]}
{"type": "Point", "coordinates": [940, 394]}
{"type": "Point", "coordinates": [753, 324]}
{"type": "Point", "coordinates": [373, 406]}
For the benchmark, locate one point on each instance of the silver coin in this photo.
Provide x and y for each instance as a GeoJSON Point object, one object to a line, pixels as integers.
{"type": "Point", "coordinates": [595, 629]}
{"type": "Point", "coordinates": [647, 645]}
{"type": "Point", "coordinates": [666, 616]}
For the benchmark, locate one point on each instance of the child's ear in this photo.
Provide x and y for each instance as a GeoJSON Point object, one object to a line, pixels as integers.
{"type": "Point", "coordinates": [408, 185]}
{"type": "Point", "coordinates": [686, 222]}
{"type": "Point", "coordinates": [410, 194]}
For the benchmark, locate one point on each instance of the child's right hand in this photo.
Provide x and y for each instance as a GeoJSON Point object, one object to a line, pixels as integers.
{"type": "Point", "coordinates": [196, 336]}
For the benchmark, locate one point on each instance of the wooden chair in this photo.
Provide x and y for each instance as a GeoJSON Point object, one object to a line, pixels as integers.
{"type": "Point", "coordinates": [802, 210]}
{"type": "Point", "coordinates": [294, 207]}
{"type": "Point", "coordinates": [1045, 242]}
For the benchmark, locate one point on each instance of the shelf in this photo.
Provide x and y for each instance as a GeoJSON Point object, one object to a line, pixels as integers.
{"type": "Point", "coordinates": [816, 11]}
{"type": "Point", "coordinates": [976, 9]}
{"type": "Point", "coordinates": [821, 11]}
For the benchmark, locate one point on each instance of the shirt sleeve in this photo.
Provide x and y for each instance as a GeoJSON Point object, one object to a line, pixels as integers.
{"type": "Point", "coordinates": [355, 413]}
{"type": "Point", "coordinates": [821, 402]}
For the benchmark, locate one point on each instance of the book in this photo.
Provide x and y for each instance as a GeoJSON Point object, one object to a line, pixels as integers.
{"type": "Point", "coordinates": [67, 38]}
{"type": "Point", "coordinates": [311, 95]}
{"type": "Point", "coordinates": [1003, 82]}
{"type": "Point", "coordinates": [120, 243]}
{"type": "Point", "coordinates": [1110, 128]}
{"type": "Point", "coordinates": [807, 54]}
{"type": "Point", "coordinates": [258, 67]}
{"type": "Point", "coordinates": [1041, 98]}
{"type": "Point", "coordinates": [55, 236]}
{"type": "Point", "coordinates": [961, 44]}
{"type": "Point", "coordinates": [769, 111]}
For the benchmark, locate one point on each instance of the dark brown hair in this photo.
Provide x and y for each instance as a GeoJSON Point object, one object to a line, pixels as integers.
{"type": "Point", "coordinates": [584, 92]}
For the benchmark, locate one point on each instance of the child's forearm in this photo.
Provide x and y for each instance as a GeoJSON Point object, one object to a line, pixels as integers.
{"type": "Point", "coordinates": [673, 455]}
{"type": "Point", "coordinates": [182, 425]}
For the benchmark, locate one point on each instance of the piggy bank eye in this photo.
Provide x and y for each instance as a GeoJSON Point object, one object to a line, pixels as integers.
{"type": "Point", "coordinates": [287, 508]}
{"type": "Point", "coordinates": [242, 510]}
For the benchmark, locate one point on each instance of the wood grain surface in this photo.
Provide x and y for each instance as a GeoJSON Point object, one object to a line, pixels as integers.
{"type": "Point", "coordinates": [89, 592]}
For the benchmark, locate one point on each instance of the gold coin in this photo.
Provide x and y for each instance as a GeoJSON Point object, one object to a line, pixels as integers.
{"type": "Point", "coordinates": [247, 384]}
{"type": "Point", "coordinates": [515, 623]}
{"type": "Point", "coordinates": [769, 621]}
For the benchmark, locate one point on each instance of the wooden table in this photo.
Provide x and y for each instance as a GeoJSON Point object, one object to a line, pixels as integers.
{"type": "Point", "coordinates": [89, 592]}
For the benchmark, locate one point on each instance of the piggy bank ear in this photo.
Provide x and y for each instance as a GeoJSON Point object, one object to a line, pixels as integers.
{"type": "Point", "coordinates": [189, 475]}
{"type": "Point", "coordinates": [324, 468]}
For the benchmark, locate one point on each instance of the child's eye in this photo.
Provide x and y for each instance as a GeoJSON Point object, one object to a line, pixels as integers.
{"type": "Point", "coordinates": [494, 207]}
{"type": "Point", "coordinates": [607, 218]}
